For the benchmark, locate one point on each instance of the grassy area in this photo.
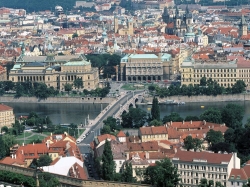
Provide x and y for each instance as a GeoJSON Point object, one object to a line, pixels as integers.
{"type": "Point", "coordinates": [21, 135]}
{"type": "Point", "coordinates": [131, 86]}
{"type": "Point", "coordinates": [128, 87]}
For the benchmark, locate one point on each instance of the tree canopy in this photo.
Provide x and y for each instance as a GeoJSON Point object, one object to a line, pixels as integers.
{"type": "Point", "coordinates": [44, 160]}
{"type": "Point", "coordinates": [174, 117]}
{"type": "Point", "coordinates": [192, 143]}
{"type": "Point", "coordinates": [163, 174]}
{"type": "Point", "coordinates": [108, 165]}
{"type": "Point", "coordinates": [155, 111]}
{"type": "Point", "coordinates": [135, 118]}
{"type": "Point", "coordinates": [212, 115]}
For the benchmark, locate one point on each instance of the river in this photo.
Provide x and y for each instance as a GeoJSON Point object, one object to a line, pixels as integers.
{"type": "Point", "coordinates": [76, 113]}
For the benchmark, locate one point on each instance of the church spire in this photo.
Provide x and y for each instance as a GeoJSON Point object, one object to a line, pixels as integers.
{"type": "Point", "coordinates": [243, 20]}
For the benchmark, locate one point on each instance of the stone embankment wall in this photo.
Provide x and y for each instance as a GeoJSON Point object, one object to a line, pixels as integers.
{"type": "Point", "coordinates": [204, 98]}
{"type": "Point", "coordinates": [57, 99]}
{"type": "Point", "coordinates": [68, 181]}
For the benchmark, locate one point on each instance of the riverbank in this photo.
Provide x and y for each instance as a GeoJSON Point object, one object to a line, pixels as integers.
{"type": "Point", "coordinates": [97, 100]}
{"type": "Point", "coordinates": [204, 98]}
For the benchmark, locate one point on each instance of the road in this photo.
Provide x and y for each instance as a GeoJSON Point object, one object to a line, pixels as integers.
{"type": "Point", "coordinates": [83, 146]}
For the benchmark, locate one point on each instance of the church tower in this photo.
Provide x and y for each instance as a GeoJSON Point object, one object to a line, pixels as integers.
{"type": "Point", "coordinates": [242, 27]}
{"type": "Point", "coordinates": [177, 21]}
{"type": "Point", "coordinates": [115, 24]}
{"type": "Point", "coordinates": [189, 17]}
{"type": "Point", "coordinates": [130, 27]}
{"type": "Point", "coordinates": [166, 16]}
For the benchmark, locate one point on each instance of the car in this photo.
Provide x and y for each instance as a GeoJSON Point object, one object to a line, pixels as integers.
{"type": "Point", "coordinates": [78, 141]}
{"type": "Point", "coordinates": [91, 131]}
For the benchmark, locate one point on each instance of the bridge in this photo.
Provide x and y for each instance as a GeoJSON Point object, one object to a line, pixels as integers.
{"type": "Point", "coordinates": [115, 109]}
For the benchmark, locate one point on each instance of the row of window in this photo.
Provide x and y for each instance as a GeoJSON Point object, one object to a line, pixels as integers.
{"type": "Point", "coordinates": [190, 181]}
{"type": "Point", "coordinates": [209, 168]}
{"type": "Point", "coordinates": [212, 70]}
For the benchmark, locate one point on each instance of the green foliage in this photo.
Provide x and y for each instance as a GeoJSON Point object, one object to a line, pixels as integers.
{"type": "Point", "coordinates": [223, 147]}
{"type": "Point", "coordinates": [108, 165]}
{"type": "Point", "coordinates": [98, 92]}
{"type": "Point", "coordinates": [214, 137]}
{"type": "Point", "coordinates": [135, 118]}
{"type": "Point", "coordinates": [78, 83]}
{"type": "Point", "coordinates": [44, 160]}
{"type": "Point", "coordinates": [17, 178]}
{"type": "Point", "coordinates": [232, 115]}
{"type": "Point", "coordinates": [205, 183]}
{"type": "Point", "coordinates": [35, 141]}
{"type": "Point", "coordinates": [163, 174]}
{"type": "Point", "coordinates": [151, 87]}
{"type": "Point", "coordinates": [212, 115]}
{"type": "Point", "coordinates": [247, 184]}
{"type": "Point", "coordinates": [3, 148]}
{"type": "Point", "coordinates": [68, 87]}
{"type": "Point", "coordinates": [192, 143]}
{"type": "Point", "coordinates": [9, 141]}
{"type": "Point", "coordinates": [192, 118]}
{"type": "Point", "coordinates": [206, 87]}
{"type": "Point", "coordinates": [75, 35]}
{"type": "Point", "coordinates": [110, 126]}
{"type": "Point", "coordinates": [174, 117]}
{"type": "Point", "coordinates": [127, 174]}
{"type": "Point", "coordinates": [155, 123]}
{"type": "Point", "coordinates": [155, 111]}
{"type": "Point", "coordinates": [48, 180]}
{"type": "Point", "coordinates": [4, 129]}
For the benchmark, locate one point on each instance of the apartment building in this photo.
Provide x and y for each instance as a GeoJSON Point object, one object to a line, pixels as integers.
{"type": "Point", "coordinates": [153, 133]}
{"type": "Point", "coordinates": [7, 117]}
{"type": "Point", "coordinates": [193, 166]}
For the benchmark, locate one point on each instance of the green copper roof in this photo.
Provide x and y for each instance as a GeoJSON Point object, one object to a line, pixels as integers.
{"type": "Point", "coordinates": [143, 56]}
{"type": "Point", "coordinates": [77, 63]}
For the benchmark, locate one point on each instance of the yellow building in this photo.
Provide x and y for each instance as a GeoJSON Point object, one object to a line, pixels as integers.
{"type": "Point", "coordinates": [153, 133]}
{"type": "Point", "coordinates": [224, 72]}
{"type": "Point", "coordinates": [7, 117]}
{"type": "Point", "coordinates": [57, 75]}
{"type": "Point", "coordinates": [127, 29]}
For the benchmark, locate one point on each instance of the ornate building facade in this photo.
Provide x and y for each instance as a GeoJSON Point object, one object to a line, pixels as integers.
{"type": "Point", "coordinates": [144, 67]}
{"type": "Point", "coordinates": [55, 72]}
{"type": "Point", "coordinates": [179, 23]}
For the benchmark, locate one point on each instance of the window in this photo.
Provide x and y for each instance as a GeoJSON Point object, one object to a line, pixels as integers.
{"type": "Point", "coordinates": [238, 183]}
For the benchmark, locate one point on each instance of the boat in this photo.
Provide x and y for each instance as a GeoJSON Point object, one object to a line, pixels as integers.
{"type": "Point", "coordinates": [202, 106]}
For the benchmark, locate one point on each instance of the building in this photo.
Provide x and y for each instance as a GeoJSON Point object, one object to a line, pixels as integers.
{"type": "Point", "coordinates": [126, 28]}
{"type": "Point", "coordinates": [243, 27]}
{"type": "Point", "coordinates": [179, 23]}
{"type": "Point", "coordinates": [3, 74]}
{"type": "Point", "coordinates": [220, 68]}
{"type": "Point", "coordinates": [7, 117]}
{"type": "Point", "coordinates": [56, 75]}
{"type": "Point", "coordinates": [145, 67]}
{"type": "Point", "coordinates": [193, 166]}
{"type": "Point", "coordinates": [153, 133]}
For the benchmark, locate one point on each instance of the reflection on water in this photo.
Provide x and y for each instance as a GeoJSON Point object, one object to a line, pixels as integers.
{"type": "Point", "coordinates": [59, 113]}
{"type": "Point", "coordinates": [76, 113]}
{"type": "Point", "coordinates": [194, 109]}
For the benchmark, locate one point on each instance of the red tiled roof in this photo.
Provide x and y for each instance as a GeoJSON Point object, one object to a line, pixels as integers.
{"type": "Point", "coordinates": [121, 134]}
{"type": "Point", "coordinates": [5, 107]}
{"type": "Point", "coordinates": [238, 174]}
{"type": "Point", "coordinates": [213, 158]}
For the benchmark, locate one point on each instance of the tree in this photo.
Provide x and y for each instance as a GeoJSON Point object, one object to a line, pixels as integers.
{"type": "Point", "coordinates": [203, 81]}
{"type": "Point", "coordinates": [155, 111]}
{"type": "Point", "coordinates": [172, 117]}
{"type": "Point", "coordinates": [3, 148]}
{"type": "Point", "coordinates": [155, 123]}
{"type": "Point", "coordinates": [214, 137]}
{"type": "Point", "coordinates": [68, 87]}
{"type": "Point", "coordinates": [232, 115]}
{"type": "Point", "coordinates": [192, 143]}
{"type": "Point", "coordinates": [192, 118]}
{"type": "Point", "coordinates": [44, 160]}
{"type": "Point", "coordinates": [212, 115]}
{"type": "Point", "coordinates": [75, 35]}
{"type": "Point", "coordinates": [78, 83]}
{"type": "Point", "coordinates": [127, 174]}
{"type": "Point", "coordinates": [247, 184]}
{"type": "Point", "coordinates": [151, 87]}
{"type": "Point", "coordinates": [9, 141]}
{"type": "Point", "coordinates": [108, 165]}
{"type": "Point", "coordinates": [135, 118]}
{"type": "Point", "coordinates": [48, 180]}
{"type": "Point", "coordinates": [223, 147]}
{"type": "Point", "coordinates": [205, 183]}
{"type": "Point", "coordinates": [163, 174]}
{"type": "Point", "coordinates": [105, 129]}
{"type": "Point", "coordinates": [111, 122]}
{"type": "Point", "coordinates": [238, 87]}
{"type": "Point", "coordinates": [4, 129]}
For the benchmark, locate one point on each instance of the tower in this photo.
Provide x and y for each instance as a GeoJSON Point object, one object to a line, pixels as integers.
{"type": "Point", "coordinates": [166, 16]}
{"type": "Point", "coordinates": [177, 21]}
{"type": "Point", "coordinates": [130, 27]}
{"type": "Point", "coordinates": [115, 24]}
{"type": "Point", "coordinates": [189, 17]}
{"type": "Point", "coordinates": [242, 26]}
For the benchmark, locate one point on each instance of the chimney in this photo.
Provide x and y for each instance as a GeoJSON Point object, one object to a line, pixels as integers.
{"type": "Point", "coordinates": [33, 143]}
{"type": "Point", "coordinates": [48, 144]}
{"type": "Point", "coordinates": [204, 122]}
{"type": "Point", "coordinates": [14, 156]}
{"type": "Point", "coordinates": [147, 155]}
{"type": "Point", "coordinates": [183, 122]}
{"type": "Point", "coordinates": [23, 144]}
{"type": "Point", "coordinates": [171, 122]}
{"type": "Point", "coordinates": [191, 122]}
{"type": "Point", "coordinates": [175, 150]}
